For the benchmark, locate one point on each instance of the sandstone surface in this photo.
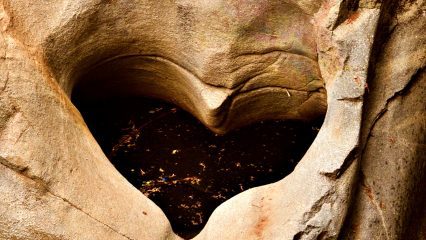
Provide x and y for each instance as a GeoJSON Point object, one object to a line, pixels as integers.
{"type": "Point", "coordinates": [229, 63]}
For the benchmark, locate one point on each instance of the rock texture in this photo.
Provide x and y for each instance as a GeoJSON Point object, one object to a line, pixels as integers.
{"type": "Point", "coordinates": [229, 63]}
{"type": "Point", "coordinates": [390, 200]}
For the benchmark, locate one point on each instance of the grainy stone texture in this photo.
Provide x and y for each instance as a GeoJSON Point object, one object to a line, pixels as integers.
{"type": "Point", "coordinates": [390, 201]}
{"type": "Point", "coordinates": [229, 63]}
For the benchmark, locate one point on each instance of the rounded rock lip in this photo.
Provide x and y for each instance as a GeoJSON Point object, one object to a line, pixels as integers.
{"type": "Point", "coordinates": [219, 108]}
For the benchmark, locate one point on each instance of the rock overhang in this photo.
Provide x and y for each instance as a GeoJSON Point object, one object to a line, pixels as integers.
{"type": "Point", "coordinates": [160, 77]}
{"type": "Point", "coordinates": [213, 61]}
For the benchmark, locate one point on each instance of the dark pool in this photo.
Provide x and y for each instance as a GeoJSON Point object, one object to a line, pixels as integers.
{"type": "Point", "coordinates": [182, 166]}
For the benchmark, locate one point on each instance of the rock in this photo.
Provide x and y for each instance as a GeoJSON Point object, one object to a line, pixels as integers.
{"type": "Point", "coordinates": [229, 63]}
{"type": "Point", "coordinates": [389, 202]}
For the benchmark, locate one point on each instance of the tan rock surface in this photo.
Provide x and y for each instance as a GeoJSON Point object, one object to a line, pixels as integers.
{"type": "Point", "coordinates": [229, 63]}
{"type": "Point", "coordinates": [391, 194]}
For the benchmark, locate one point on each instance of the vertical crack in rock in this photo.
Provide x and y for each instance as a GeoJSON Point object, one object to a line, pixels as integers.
{"type": "Point", "coordinates": [399, 93]}
{"type": "Point", "coordinates": [23, 171]}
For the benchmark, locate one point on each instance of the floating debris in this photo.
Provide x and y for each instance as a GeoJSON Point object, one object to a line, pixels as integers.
{"type": "Point", "coordinates": [203, 166]}
{"type": "Point", "coordinates": [175, 151]}
{"type": "Point", "coordinates": [288, 93]}
{"type": "Point", "coordinates": [182, 166]}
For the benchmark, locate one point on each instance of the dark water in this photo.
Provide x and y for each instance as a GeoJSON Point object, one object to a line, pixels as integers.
{"type": "Point", "coordinates": [182, 166]}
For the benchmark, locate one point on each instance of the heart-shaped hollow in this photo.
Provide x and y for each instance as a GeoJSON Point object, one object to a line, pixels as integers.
{"type": "Point", "coordinates": [182, 166]}
{"type": "Point", "coordinates": [186, 169]}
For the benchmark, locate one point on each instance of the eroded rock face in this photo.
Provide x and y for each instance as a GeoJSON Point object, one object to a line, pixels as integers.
{"type": "Point", "coordinates": [212, 59]}
{"type": "Point", "coordinates": [229, 63]}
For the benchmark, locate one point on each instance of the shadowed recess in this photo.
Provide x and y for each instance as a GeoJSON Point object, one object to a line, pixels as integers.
{"type": "Point", "coordinates": [182, 166]}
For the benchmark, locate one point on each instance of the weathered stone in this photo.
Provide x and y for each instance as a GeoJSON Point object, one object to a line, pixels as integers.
{"type": "Point", "coordinates": [393, 163]}
{"type": "Point", "coordinates": [229, 63]}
